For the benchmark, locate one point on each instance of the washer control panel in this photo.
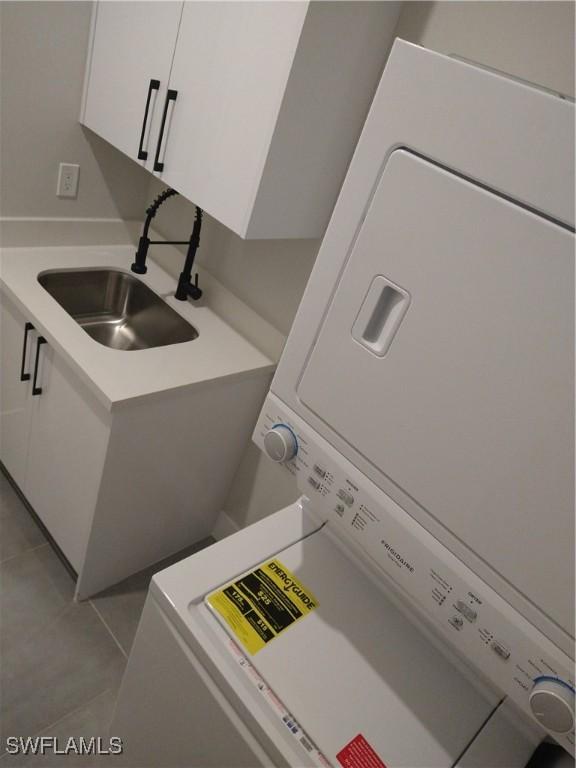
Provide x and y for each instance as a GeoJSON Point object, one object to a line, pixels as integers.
{"type": "Point", "coordinates": [470, 615]}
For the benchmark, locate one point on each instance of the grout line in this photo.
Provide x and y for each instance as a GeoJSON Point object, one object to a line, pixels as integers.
{"type": "Point", "coordinates": [73, 711]}
{"type": "Point", "coordinates": [68, 714]}
{"type": "Point", "coordinates": [108, 628]}
{"type": "Point", "coordinates": [25, 552]}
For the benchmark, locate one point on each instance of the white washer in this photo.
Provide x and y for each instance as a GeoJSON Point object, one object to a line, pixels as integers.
{"type": "Point", "coordinates": [424, 403]}
{"type": "Point", "coordinates": [355, 667]}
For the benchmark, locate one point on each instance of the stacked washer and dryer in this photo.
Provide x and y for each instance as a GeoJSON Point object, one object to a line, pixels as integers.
{"type": "Point", "coordinates": [416, 607]}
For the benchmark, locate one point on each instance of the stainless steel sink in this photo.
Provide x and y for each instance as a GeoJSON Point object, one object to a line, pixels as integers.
{"type": "Point", "coordinates": [116, 309]}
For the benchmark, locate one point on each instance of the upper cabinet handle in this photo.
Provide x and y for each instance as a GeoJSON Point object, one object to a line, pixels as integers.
{"type": "Point", "coordinates": [170, 96]}
{"type": "Point", "coordinates": [35, 389]}
{"type": "Point", "coordinates": [154, 86]}
{"type": "Point", "coordinates": [25, 376]}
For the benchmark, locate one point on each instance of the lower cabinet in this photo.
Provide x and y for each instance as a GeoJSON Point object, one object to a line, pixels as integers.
{"type": "Point", "coordinates": [117, 489]}
{"type": "Point", "coordinates": [16, 344]}
{"type": "Point", "coordinates": [66, 451]}
{"type": "Point", "coordinates": [53, 435]}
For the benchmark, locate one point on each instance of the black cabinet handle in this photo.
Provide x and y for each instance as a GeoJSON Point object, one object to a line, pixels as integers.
{"type": "Point", "coordinates": [25, 376]}
{"type": "Point", "coordinates": [154, 86]}
{"type": "Point", "coordinates": [170, 96]}
{"type": "Point", "coordinates": [37, 390]}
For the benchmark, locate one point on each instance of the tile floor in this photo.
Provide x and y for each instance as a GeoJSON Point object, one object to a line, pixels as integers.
{"type": "Point", "coordinates": [61, 661]}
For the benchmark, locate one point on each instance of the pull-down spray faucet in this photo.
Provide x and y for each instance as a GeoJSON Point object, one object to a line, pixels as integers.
{"type": "Point", "coordinates": [186, 288]}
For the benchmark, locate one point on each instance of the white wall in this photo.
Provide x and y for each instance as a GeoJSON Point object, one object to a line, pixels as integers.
{"type": "Point", "coordinates": [531, 40]}
{"type": "Point", "coordinates": [43, 49]}
{"type": "Point", "coordinates": [269, 276]}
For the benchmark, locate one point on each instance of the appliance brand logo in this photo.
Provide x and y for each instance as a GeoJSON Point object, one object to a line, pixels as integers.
{"type": "Point", "coordinates": [397, 557]}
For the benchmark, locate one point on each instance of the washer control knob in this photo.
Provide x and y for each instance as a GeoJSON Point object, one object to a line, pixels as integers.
{"type": "Point", "coordinates": [552, 704]}
{"type": "Point", "coordinates": [280, 443]}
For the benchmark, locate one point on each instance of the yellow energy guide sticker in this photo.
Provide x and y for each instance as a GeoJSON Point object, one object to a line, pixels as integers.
{"type": "Point", "coordinates": [263, 603]}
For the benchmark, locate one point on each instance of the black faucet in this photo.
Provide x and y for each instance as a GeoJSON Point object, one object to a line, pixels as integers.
{"type": "Point", "coordinates": [186, 288]}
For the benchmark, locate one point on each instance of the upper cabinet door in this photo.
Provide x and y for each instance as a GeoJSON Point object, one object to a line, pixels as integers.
{"type": "Point", "coordinates": [127, 74]}
{"type": "Point", "coordinates": [230, 71]}
{"type": "Point", "coordinates": [270, 101]}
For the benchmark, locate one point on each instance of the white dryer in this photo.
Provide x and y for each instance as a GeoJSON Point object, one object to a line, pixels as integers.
{"type": "Point", "coordinates": [415, 608]}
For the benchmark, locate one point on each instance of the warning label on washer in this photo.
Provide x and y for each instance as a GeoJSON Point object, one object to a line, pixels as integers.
{"type": "Point", "coordinates": [263, 603]}
{"type": "Point", "coordinates": [359, 754]}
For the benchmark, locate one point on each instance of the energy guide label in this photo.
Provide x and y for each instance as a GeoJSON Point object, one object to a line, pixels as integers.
{"type": "Point", "coordinates": [263, 603]}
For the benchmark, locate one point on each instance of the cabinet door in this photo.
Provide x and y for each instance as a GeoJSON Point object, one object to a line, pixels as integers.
{"type": "Point", "coordinates": [455, 317]}
{"type": "Point", "coordinates": [15, 401]}
{"type": "Point", "coordinates": [68, 440]}
{"type": "Point", "coordinates": [230, 70]}
{"type": "Point", "coordinates": [132, 46]}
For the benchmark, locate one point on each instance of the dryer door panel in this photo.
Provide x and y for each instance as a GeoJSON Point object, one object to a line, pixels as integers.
{"type": "Point", "coordinates": [446, 359]}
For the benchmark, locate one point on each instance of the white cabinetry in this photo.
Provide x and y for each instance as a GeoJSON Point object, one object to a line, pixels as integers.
{"type": "Point", "coordinates": [68, 440]}
{"type": "Point", "coordinates": [263, 107]}
{"type": "Point", "coordinates": [15, 389]}
{"type": "Point", "coordinates": [128, 64]}
{"type": "Point", "coordinates": [53, 436]}
{"type": "Point", "coordinates": [122, 485]}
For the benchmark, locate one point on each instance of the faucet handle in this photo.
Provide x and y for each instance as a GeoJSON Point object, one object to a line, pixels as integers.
{"type": "Point", "coordinates": [193, 290]}
{"type": "Point", "coordinates": [186, 289]}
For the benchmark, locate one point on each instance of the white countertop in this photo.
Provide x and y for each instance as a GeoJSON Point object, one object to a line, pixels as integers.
{"type": "Point", "coordinates": [115, 376]}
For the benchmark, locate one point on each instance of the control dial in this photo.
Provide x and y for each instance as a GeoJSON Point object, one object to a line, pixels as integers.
{"type": "Point", "coordinates": [552, 704]}
{"type": "Point", "coordinates": [280, 443]}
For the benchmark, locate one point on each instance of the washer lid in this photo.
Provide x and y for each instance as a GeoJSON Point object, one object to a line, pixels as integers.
{"type": "Point", "coordinates": [359, 677]}
{"type": "Point", "coordinates": [446, 358]}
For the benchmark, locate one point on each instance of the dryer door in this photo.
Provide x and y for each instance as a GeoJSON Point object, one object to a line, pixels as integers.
{"type": "Point", "coordinates": [446, 359]}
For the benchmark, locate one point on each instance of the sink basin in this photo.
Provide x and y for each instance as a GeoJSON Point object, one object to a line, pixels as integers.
{"type": "Point", "coordinates": [116, 309]}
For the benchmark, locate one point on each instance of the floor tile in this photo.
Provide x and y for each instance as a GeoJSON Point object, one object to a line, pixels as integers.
{"type": "Point", "coordinates": [55, 671]}
{"type": "Point", "coordinates": [60, 661]}
{"type": "Point", "coordinates": [120, 606]}
{"type": "Point", "coordinates": [92, 720]}
{"type": "Point", "coordinates": [35, 589]}
{"type": "Point", "coordinates": [18, 531]}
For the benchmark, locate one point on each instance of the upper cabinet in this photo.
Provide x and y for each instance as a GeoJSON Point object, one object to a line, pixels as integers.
{"type": "Point", "coordinates": [132, 46]}
{"type": "Point", "coordinates": [251, 110]}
